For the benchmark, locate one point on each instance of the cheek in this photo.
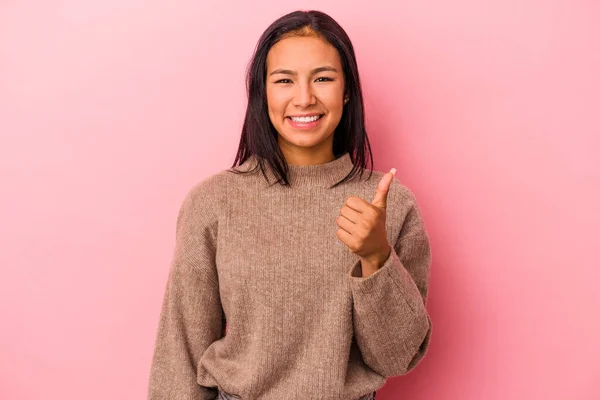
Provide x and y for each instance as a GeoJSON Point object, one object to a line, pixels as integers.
{"type": "Point", "coordinates": [335, 106]}
{"type": "Point", "coordinates": [275, 103]}
{"type": "Point", "coordinates": [333, 100]}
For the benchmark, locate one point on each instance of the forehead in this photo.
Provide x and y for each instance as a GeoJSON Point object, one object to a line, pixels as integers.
{"type": "Point", "coordinates": [302, 53]}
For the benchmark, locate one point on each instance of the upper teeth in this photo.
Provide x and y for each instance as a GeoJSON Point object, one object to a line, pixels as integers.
{"type": "Point", "coordinates": [305, 119]}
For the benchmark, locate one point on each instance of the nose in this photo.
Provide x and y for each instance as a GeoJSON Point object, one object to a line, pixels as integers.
{"type": "Point", "coordinates": [303, 95]}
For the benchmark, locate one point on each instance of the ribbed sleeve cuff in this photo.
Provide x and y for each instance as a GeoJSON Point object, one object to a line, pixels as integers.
{"type": "Point", "coordinates": [391, 277]}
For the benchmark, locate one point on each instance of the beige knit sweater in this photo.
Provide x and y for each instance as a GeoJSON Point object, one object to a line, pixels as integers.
{"type": "Point", "coordinates": [302, 322]}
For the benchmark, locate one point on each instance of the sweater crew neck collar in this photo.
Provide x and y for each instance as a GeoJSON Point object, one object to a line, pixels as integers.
{"type": "Point", "coordinates": [326, 174]}
{"type": "Point", "coordinates": [316, 175]}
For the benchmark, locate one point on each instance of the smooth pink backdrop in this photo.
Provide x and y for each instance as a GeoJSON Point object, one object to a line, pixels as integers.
{"type": "Point", "coordinates": [111, 110]}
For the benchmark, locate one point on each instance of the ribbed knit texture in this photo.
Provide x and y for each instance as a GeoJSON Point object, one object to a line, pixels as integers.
{"type": "Point", "coordinates": [302, 322]}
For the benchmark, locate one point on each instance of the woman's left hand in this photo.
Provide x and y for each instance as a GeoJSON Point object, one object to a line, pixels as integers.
{"type": "Point", "coordinates": [362, 225]}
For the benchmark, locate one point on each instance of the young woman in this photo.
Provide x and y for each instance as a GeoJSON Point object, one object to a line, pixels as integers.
{"type": "Point", "coordinates": [293, 276]}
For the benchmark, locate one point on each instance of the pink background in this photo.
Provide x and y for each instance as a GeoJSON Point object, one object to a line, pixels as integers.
{"type": "Point", "coordinates": [111, 110]}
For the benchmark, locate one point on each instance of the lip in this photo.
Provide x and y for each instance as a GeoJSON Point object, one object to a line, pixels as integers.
{"type": "Point", "coordinates": [304, 115]}
{"type": "Point", "coordinates": [303, 126]}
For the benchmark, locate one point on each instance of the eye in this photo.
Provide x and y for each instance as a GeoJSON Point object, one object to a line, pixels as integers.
{"type": "Point", "coordinates": [325, 79]}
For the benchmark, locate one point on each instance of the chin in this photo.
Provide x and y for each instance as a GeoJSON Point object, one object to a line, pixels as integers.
{"type": "Point", "coordinates": [302, 139]}
{"type": "Point", "coordinates": [305, 143]}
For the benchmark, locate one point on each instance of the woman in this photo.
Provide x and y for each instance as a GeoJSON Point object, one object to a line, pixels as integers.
{"type": "Point", "coordinates": [287, 280]}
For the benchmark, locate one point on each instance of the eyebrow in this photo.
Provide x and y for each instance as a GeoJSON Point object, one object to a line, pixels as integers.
{"type": "Point", "coordinates": [314, 71]}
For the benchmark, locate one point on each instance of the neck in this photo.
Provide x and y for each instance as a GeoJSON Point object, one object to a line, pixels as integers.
{"type": "Point", "coordinates": [310, 158]}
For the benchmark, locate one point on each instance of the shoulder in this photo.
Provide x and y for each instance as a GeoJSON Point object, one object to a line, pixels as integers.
{"type": "Point", "coordinates": [409, 211]}
{"type": "Point", "coordinates": [203, 201]}
{"type": "Point", "coordinates": [403, 193]}
{"type": "Point", "coordinates": [208, 190]}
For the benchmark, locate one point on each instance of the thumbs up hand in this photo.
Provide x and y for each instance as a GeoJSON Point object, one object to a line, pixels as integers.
{"type": "Point", "coordinates": [362, 226]}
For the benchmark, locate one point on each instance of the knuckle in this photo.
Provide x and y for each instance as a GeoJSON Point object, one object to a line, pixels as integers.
{"type": "Point", "coordinates": [374, 212]}
{"type": "Point", "coordinates": [365, 223]}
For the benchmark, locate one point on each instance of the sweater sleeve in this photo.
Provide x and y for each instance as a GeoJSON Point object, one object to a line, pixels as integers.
{"type": "Point", "coordinates": [191, 316]}
{"type": "Point", "coordinates": [391, 323]}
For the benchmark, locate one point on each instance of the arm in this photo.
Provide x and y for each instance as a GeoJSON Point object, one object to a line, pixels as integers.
{"type": "Point", "coordinates": [391, 323]}
{"type": "Point", "coordinates": [191, 315]}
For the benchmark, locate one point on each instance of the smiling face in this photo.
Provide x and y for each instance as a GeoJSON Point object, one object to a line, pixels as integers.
{"type": "Point", "coordinates": [305, 79]}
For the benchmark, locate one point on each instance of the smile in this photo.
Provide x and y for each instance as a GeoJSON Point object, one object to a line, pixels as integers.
{"type": "Point", "coordinates": [305, 123]}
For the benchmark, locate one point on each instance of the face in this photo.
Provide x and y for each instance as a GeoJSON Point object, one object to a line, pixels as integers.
{"type": "Point", "coordinates": [305, 79]}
